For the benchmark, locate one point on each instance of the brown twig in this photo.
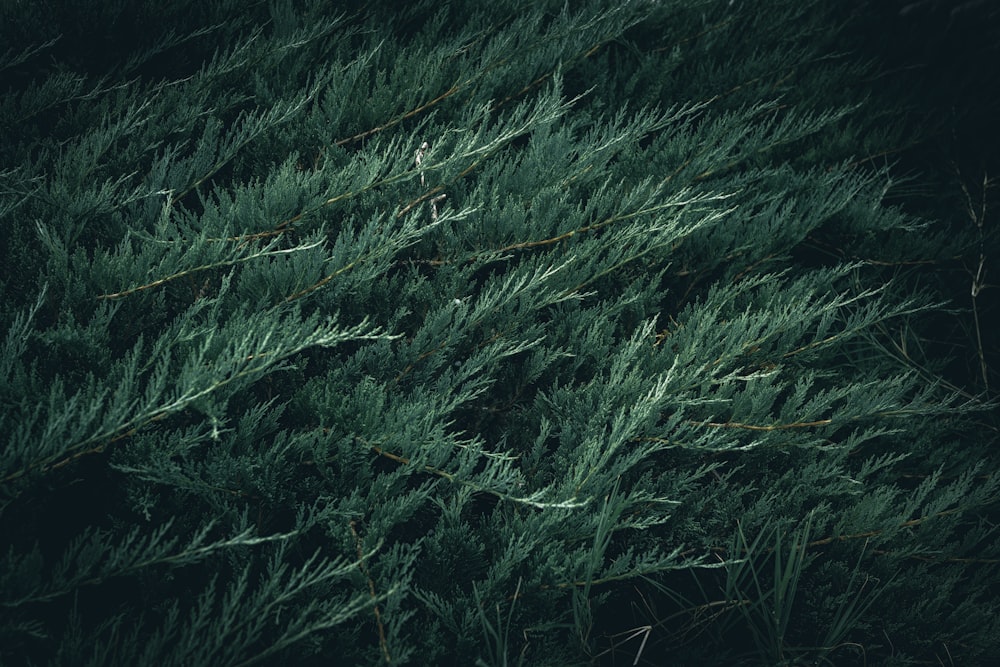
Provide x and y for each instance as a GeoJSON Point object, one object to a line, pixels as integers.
{"type": "Point", "coordinates": [873, 533]}
{"type": "Point", "coordinates": [371, 590]}
{"type": "Point", "coordinates": [398, 119]}
{"type": "Point", "coordinates": [766, 427]}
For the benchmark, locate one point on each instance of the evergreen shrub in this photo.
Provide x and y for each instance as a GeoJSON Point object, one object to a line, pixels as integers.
{"type": "Point", "coordinates": [491, 333]}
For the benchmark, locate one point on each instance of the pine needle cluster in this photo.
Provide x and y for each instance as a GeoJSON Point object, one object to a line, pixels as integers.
{"type": "Point", "coordinates": [480, 333]}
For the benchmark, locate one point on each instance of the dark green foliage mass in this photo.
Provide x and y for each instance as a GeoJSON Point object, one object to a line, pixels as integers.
{"type": "Point", "coordinates": [490, 333]}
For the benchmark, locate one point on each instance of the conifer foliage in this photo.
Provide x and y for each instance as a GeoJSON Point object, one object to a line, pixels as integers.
{"type": "Point", "coordinates": [478, 333]}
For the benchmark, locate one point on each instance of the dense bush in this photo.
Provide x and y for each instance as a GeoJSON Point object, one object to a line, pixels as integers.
{"type": "Point", "coordinates": [494, 333]}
